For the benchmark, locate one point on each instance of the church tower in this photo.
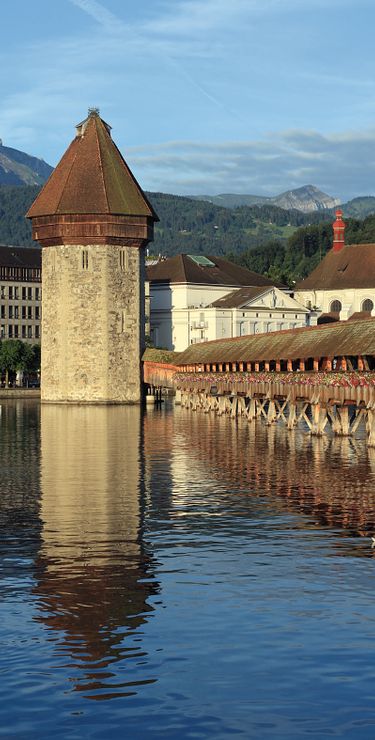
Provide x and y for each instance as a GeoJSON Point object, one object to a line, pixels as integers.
{"type": "Point", "coordinates": [93, 222]}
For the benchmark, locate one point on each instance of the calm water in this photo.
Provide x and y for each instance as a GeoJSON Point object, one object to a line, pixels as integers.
{"type": "Point", "coordinates": [179, 575]}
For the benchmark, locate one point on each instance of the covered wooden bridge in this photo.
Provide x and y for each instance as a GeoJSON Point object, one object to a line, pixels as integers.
{"type": "Point", "coordinates": [323, 377]}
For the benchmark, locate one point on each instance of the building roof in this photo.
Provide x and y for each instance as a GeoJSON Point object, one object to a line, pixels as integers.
{"type": "Point", "coordinates": [328, 340]}
{"type": "Point", "coordinates": [357, 315]}
{"type": "Point", "coordinates": [237, 298]}
{"type": "Point", "coordinates": [92, 178]}
{"type": "Point", "coordinates": [20, 256]}
{"type": "Point", "coordinates": [351, 267]}
{"type": "Point", "coordinates": [184, 268]}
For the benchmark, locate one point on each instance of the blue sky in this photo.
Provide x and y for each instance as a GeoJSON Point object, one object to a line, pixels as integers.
{"type": "Point", "coordinates": [204, 96]}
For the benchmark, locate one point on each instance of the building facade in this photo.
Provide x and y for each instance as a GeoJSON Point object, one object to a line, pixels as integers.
{"type": "Point", "coordinates": [93, 222]}
{"type": "Point", "coordinates": [196, 299]}
{"type": "Point", "coordinates": [20, 293]}
{"type": "Point", "coordinates": [342, 286]}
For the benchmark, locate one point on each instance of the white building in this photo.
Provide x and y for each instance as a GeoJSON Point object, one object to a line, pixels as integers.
{"type": "Point", "coordinates": [195, 299]}
{"type": "Point", "coordinates": [342, 286]}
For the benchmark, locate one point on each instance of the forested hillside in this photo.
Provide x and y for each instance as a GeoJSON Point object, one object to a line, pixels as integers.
{"type": "Point", "coordinates": [14, 202]}
{"type": "Point", "coordinates": [194, 226]}
{"type": "Point", "coordinates": [283, 244]}
{"type": "Point", "coordinates": [304, 249]}
{"type": "Point", "coordinates": [185, 225]}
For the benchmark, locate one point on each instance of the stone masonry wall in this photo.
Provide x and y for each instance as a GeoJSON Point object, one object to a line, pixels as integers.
{"type": "Point", "coordinates": [92, 323]}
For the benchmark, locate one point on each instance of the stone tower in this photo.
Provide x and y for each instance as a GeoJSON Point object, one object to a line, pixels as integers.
{"type": "Point", "coordinates": [93, 221]}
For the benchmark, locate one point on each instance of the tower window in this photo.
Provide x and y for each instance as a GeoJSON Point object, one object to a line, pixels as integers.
{"type": "Point", "coordinates": [85, 259]}
{"type": "Point", "coordinates": [124, 264]}
{"type": "Point", "coordinates": [367, 305]}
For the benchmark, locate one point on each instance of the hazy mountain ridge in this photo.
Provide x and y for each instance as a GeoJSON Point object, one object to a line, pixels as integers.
{"type": "Point", "coordinates": [19, 168]}
{"type": "Point", "coordinates": [307, 199]}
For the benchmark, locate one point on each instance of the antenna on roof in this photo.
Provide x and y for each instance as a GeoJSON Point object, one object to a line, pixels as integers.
{"type": "Point", "coordinates": [93, 111]}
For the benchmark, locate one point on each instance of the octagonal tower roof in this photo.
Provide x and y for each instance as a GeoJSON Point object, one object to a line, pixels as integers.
{"type": "Point", "coordinates": [92, 177]}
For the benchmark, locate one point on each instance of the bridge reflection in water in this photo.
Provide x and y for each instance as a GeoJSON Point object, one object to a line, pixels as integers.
{"type": "Point", "coordinates": [331, 480]}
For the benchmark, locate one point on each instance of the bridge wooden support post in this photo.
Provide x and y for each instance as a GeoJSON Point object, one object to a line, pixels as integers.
{"type": "Point", "coordinates": [221, 406]}
{"type": "Point", "coordinates": [234, 407]}
{"type": "Point", "coordinates": [271, 412]}
{"type": "Point", "coordinates": [241, 406]}
{"type": "Point", "coordinates": [251, 409]}
{"type": "Point", "coordinates": [319, 419]}
{"type": "Point", "coordinates": [342, 426]}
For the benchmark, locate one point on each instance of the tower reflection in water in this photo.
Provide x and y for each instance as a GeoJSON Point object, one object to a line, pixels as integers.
{"type": "Point", "coordinates": [94, 576]}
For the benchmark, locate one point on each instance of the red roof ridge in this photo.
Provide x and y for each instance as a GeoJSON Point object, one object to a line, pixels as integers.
{"type": "Point", "coordinates": [101, 164]}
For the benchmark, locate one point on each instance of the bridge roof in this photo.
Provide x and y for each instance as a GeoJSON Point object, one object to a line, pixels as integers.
{"type": "Point", "coordinates": [344, 338]}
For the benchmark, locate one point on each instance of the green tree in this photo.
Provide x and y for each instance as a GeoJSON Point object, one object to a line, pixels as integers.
{"type": "Point", "coordinates": [11, 352]}
{"type": "Point", "coordinates": [18, 356]}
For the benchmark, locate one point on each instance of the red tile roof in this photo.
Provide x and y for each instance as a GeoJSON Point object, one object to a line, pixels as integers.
{"type": "Point", "coordinates": [92, 178]}
{"type": "Point", "coordinates": [351, 267]}
{"type": "Point", "coordinates": [183, 269]}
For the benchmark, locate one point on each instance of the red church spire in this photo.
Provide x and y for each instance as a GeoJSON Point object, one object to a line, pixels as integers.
{"type": "Point", "coordinates": [338, 232]}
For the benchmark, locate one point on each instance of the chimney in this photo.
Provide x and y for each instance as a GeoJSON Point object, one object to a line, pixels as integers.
{"type": "Point", "coordinates": [338, 232]}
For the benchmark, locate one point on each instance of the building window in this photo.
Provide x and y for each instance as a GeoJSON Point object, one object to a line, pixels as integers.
{"type": "Point", "coordinates": [335, 306]}
{"type": "Point", "coordinates": [10, 292]}
{"type": "Point", "coordinates": [85, 259]}
{"type": "Point", "coordinates": [2, 331]}
{"type": "Point", "coordinates": [30, 332]}
{"type": "Point", "coordinates": [23, 312]}
{"type": "Point", "coordinates": [367, 305]}
{"type": "Point", "coordinates": [29, 294]}
{"type": "Point", "coordinates": [16, 292]}
{"type": "Point", "coordinates": [23, 330]}
{"type": "Point", "coordinates": [10, 312]}
{"type": "Point", "coordinates": [2, 289]}
{"type": "Point", "coordinates": [24, 293]}
{"type": "Point", "coordinates": [3, 312]}
{"type": "Point", "coordinates": [10, 331]}
{"type": "Point", "coordinates": [29, 312]}
{"type": "Point", "coordinates": [37, 294]}
{"type": "Point", "coordinates": [37, 313]}
{"type": "Point", "coordinates": [123, 259]}
{"type": "Point", "coordinates": [37, 332]}
{"type": "Point", "coordinates": [16, 331]}
{"type": "Point", "coordinates": [16, 312]}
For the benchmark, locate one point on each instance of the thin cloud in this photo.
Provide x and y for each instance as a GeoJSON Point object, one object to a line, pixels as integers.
{"type": "Point", "coordinates": [114, 24]}
{"type": "Point", "coordinates": [288, 160]}
{"type": "Point", "coordinates": [98, 12]}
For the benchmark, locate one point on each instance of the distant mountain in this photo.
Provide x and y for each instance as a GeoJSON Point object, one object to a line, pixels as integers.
{"type": "Point", "coordinates": [232, 200]}
{"type": "Point", "coordinates": [306, 199]}
{"type": "Point", "coordinates": [359, 207]}
{"type": "Point", "coordinates": [18, 168]}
